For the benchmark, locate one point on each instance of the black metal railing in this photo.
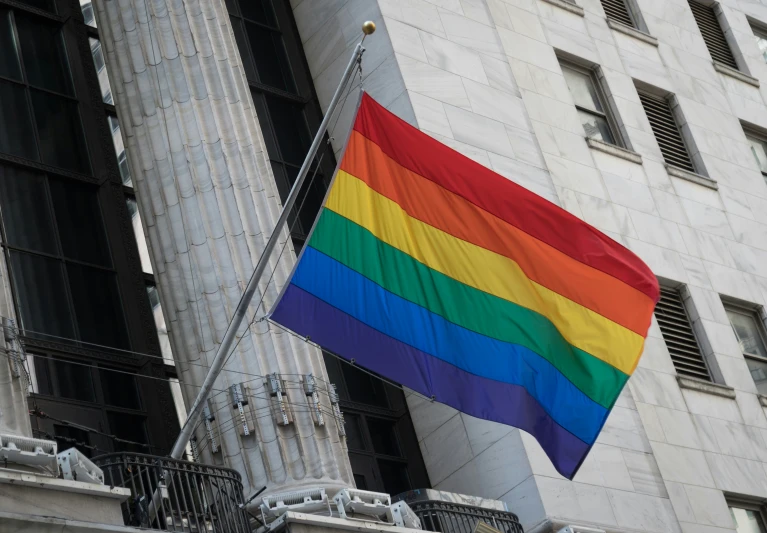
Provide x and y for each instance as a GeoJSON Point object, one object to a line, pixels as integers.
{"type": "Point", "coordinates": [445, 517]}
{"type": "Point", "coordinates": [172, 495]}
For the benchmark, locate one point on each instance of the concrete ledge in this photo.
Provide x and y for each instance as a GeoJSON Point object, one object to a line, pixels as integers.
{"type": "Point", "coordinates": [762, 399]}
{"type": "Point", "coordinates": [48, 524]}
{"type": "Point", "coordinates": [311, 521]}
{"type": "Point", "coordinates": [705, 386]}
{"type": "Point", "coordinates": [633, 32]}
{"type": "Point", "coordinates": [52, 483]}
{"type": "Point", "coordinates": [738, 75]}
{"type": "Point", "coordinates": [612, 149]}
{"type": "Point", "coordinates": [567, 6]}
{"type": "Point", "coordinates": [691, 176]}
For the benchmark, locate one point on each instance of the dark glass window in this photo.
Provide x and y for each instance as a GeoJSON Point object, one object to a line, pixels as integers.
{"type": "Point", "coordinates": [272, 66]}
{"type": "Point", "coordinates": [362, 387]}
{"type": "Point", "coordinates": [119, 389]}
{"type": "Point", "coordinates": [242, 45]}
{"type": "Point", "coordinates": [45, 59]}
{"type": "Point", "coordinates": [60, 131]}
{"type": "Point", "coordinates": [17, 135]}
{"type": "Point", "coordinates": [353, 432]}
{"type": "Point", "coordinates": [41, 294]}
{"type": "Point", "coordinates": [78, 217]}
{"type": "Point", "coordinates": [41, 4]}
{"type": "Point", "coordinates": [290, 129]}
{"type": "Point", "coordinates": [72, 437]}
{"type": "Point", "coordinates": [97, 306]}
{"type": "Point", "coordinates": [9, 55]}
{"type": "Point", "coordinates": [259, 10]}
{"type": "Point", "coordinates": [384, 435]}
{"type": "Point", "coordinates": [394, 476]}
{"type": "Point", "coordinates": [128, 427]}
{"type": "Point", "coordinates": [72, 381]}
{"type": "Point", "coordinates": [26, 211]}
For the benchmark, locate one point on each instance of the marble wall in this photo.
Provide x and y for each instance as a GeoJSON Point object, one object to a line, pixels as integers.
{"type": "Point", "coordinates": [483, 77]}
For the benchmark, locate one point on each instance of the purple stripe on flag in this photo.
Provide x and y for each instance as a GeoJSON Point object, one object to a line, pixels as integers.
{"type": "Point", "coordinates": [484, 398]}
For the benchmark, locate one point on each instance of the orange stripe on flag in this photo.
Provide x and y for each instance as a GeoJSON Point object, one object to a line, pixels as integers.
{"type": "Point", "coordinates": [434, 205]}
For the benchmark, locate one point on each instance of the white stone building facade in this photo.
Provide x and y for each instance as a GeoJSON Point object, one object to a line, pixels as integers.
{"type": "Point", "coordinates": [485, 77]}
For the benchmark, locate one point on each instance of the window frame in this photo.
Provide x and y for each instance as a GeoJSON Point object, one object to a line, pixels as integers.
{"type": "Point", "coordinates": [749, 505]}
{"type": "Point", "coordinates": [594, 75]}
{"type": "Point", "coordinates": [752, 134]}
{"type": "Point", "coordinates": [753, 312]}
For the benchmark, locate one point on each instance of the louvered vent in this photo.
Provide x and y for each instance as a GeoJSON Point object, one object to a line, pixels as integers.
{"type": "Point", "coordinates": [616, 10]}
{"type": "Point", "coordinates": [677, 332]}
{"type": "Point", "coordinates": [713, 34]}
{"type": "Point", "coordinates": [666, 132]}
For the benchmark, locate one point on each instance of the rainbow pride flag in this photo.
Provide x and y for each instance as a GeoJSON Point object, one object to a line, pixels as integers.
{"type": "Point", "coordinates": [433, 271]}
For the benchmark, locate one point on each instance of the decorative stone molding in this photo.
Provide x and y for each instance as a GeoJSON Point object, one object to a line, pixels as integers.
{"type": "Point", "coordinates": [617, 151]}
{"type": "Point", "coordinates": [572, 7]}
{"type": "Point", "coordinates": [632, 32]}
{"type": "Point", "coordinates": [691, 176]}
{"type": "Point", "coordinates": [705, 386]}
{"type": "Point", "coordinates": [738, 75]}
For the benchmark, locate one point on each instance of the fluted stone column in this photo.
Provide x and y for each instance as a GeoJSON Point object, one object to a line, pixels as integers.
{"type": "Point", "coordinates": [209, 202]}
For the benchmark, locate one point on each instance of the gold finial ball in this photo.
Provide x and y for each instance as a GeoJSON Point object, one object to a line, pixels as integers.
{"type": "Point", "coordinates": [368, 27]}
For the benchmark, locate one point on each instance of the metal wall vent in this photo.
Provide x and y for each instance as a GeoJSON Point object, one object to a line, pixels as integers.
{"type": "Point", "coordinates": [617, 11]}
{"type": "Point", "coordinates": [680, 339]}
{"type": "Point", "coordinates": [666, 131]}
{"type": "Point", "coordinates": [712, 33]}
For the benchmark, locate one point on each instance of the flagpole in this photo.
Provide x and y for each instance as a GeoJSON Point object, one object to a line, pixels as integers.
{"type": "Point", "coordinates": [239, 313]}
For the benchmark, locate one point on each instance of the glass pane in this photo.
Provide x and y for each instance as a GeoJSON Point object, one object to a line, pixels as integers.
{"type": "Point", "coordinates": [748, 334]}
{"type": "Point", "coordinates": [383, 434]}
{"type": "Point", "coordinates": [583, 90]}
{"type": "Point", "coordinates": [138, 232]}
{"type": "Point", "coordinates": [16, 133]}
{"type": "Point", "coordinates": [78, 217]}
{"type": "Point", "coordinates": [258, 10]}
{"type": "Point", "coordinates": [360, 482]}
{"type": "Point", "coordinates": [72, 381]}
{"type": "Point", "coordinates": [596, 127]}
{"type": "Point", "coordinates": [86, 6]}
{"type": "Point", "coordinates": [9, 55]}
{"type": "Point", "coordinates": [162, 329]}
{"type": "Point", "coordinates": [354, 438]}
{"type": "Point", "coordinates": [25, 209]}
{"type": "Point", "coordinates": [70, 437]}
{"type": "Point", "coordinates": [394, 476]}
{"type": "Point", "coordinates": [122, 159]}
{"type": "Point", "coordinates": [758, 370]}
{"type": "Point", "coordinates": [101, 70]}
{"type": "Point", "coordinates": [60, 132]}
{"type": "Point", "coordinates": [47, 5]}
{"type": "Point", "coordinates": [290, 129]}
{"type": "Point", "coordinates": [97, 304]}
{"type": "Point", "coordinates": [40, 295]}
{"type": "Point", "coordinates": [272, 63]}
{"type": "Point", "coordinates": [44, 55]}
{"type": "Point", "coordinates": [128, 427]}
{"type": "Point", "coordinates": [760, 154]}
{"type": "Point", "coordinates": [761, 42]}
{"type": "Point", "coordinates": [242, 46]}
{"type": "Point", "coordinates": [747, 521]}
{"type": "Point", "coordinates": [363, 387]}
{"type": "Point", "coordinates": [332, 365]}
{"type": "Point", "coordinates": [119, 389]}
{"type": "Point", "coordinates": [41, 376]}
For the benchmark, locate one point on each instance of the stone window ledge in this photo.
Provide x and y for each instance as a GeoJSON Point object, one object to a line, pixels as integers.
{"type": "Point", "coordinates": [612, 149]}
{"type": "Point", "coordinates": [633, 32]}
{"type": "Point", "coordinates": [705, 386]}
{"type": "Point", "coordinates": [738, 75]}
{"type": "Point", "coordinates": [691, 176]}
{"type": "Point", "coordinates": [567, 6]}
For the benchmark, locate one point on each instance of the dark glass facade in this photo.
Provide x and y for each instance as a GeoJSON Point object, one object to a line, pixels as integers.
{"type": "Point", "coordinates": [81, 296]}
{"type": "Point", "coordinates": [383, 449]}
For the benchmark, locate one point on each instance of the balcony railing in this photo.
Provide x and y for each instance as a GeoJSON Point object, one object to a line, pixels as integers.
{"type": "Point", "coordinates": [172, 495]}
{"type": "Point", "coordinates": [448, 517]}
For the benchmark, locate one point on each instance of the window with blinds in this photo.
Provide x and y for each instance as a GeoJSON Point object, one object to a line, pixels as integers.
{"type": "Point", "coordinates": [666, 131]}
{"type": "Point", "coordinates": [712, 33]}
{"type": "Point", "coordinates": [617, 11]}
{"type": "Point", "coordinates": [680, 339]}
